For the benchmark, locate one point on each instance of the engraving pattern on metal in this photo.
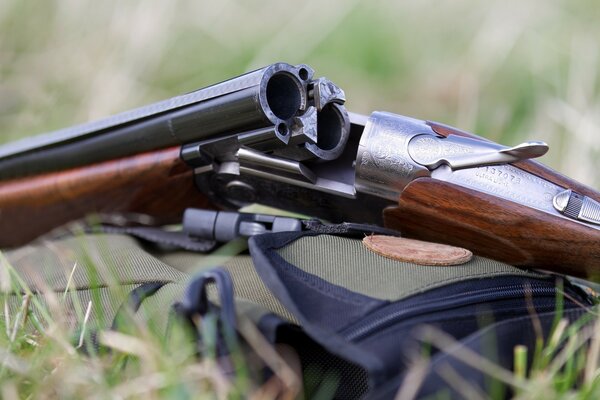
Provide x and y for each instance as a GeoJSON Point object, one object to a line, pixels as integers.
{"type": "Point", "coordinates": [383, 166]}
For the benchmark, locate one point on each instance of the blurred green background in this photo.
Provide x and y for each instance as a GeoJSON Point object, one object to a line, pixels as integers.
{"type": "Point", "coordinates": [505, 69]}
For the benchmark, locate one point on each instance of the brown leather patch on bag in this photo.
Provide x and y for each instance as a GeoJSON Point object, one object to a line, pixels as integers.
{"type": "Point", "coordinates": [417, 251]}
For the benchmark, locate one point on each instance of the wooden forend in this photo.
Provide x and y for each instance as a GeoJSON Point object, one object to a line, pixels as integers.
{"type": "Point", "coordinates": [156, 184]}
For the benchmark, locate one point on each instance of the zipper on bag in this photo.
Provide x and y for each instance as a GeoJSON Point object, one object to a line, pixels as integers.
{"type": "Point", "coordinates": [404, 311]}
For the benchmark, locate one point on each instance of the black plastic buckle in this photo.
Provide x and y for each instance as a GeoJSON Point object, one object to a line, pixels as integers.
{"type": "Point", "coordinates": [214, 326]}
{"type": "Point", "coordinates": [224, 226]}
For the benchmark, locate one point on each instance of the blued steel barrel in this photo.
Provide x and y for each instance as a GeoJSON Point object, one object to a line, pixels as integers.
{"type": "Point", "coordinates": [271, 96]}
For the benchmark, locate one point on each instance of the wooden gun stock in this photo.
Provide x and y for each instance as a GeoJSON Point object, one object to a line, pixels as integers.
{"type": "Point", "coordinates": [156, 184]}
{"type": "Point", "coordinates": [434, 210]}
{"type": "Point", "coordinates": [441, 212]}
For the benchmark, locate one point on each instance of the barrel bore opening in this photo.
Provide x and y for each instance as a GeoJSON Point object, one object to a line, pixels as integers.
{"type": "Point", "coordinates": [283, 95]}
{"type": "Point", "coordinates": [303, 74]}
{"type": "Point", "coordinates": [282, 129]}
{"type": "Point", "coordinates": [330, 124]}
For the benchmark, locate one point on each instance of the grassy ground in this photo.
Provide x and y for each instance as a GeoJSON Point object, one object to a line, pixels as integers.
{"type": "Point", "coordinates": [46, 352]}
{"type": "Point", "coordinates": [506, 69]}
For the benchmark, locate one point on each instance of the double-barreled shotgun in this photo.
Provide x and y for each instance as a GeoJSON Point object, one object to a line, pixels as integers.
{"type": "Point", "coordinates": [281, 137]}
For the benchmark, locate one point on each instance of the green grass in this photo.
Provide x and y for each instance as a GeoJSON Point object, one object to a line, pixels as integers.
{"type": "Point", "coordinates": [45, 355]}
{"type": "Point", "coordinates": [505, 69]}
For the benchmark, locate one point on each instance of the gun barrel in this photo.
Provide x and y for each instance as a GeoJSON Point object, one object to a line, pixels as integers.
{"type": "Point", "coordinates": [271, 96]}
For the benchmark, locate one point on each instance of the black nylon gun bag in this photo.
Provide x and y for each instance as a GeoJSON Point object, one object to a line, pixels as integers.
{"type": "Point", "coordinates": [358, 318]}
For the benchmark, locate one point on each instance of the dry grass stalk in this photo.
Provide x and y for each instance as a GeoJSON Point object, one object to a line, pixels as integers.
{"type": "Point", "coordinates": [413, 380]}
{"type": "Point", "coordinates": [292, 384]}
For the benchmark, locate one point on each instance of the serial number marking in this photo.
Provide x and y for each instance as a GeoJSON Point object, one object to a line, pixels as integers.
{"type": "Point", "coordinates": [510, 183]}
{"type": "Point", "coordinates": [496, 175]}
